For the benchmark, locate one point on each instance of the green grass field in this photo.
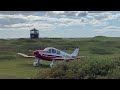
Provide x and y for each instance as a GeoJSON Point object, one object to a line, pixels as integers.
{"type": "Point", "coordinates": [13, 66]}
{"type": "Point", "coordinates": [19, 68]}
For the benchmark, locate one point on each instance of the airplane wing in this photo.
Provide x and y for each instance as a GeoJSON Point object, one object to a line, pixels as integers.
{"type": "Point", "coordinates": [24, 55]}
{"type": "Point", "coordinates": [57, 58]}
{"type": "Point", "coordinates": [78, 57]}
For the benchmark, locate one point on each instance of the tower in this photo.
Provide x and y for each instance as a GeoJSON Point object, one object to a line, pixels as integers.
{"type": "Point", "coordinates": [34, 33]}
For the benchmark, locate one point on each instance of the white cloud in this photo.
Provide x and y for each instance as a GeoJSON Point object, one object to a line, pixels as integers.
{"type": "Point", "coordinates": [42, 22]}
{"type": "Point", "coordinates": [17, 12]}
{"type": "Point", "coordinates": [26, 19]}
{"type": "Point", "coordinates": [45, 22]}
{"type": "Point", "coordinates": [108, 29]}
{"type": "Point", "coordinates": [105, 16]}
{"type": "Point", "coordinates": [112, 27]}
{"type": "Point", "coordinates": [97, 11]}
{"type": "Point", "coordinates": [24, 22]}
{"type": "Point", "coordinates": [57, 12]}
{"type": "Point", "coordinates": [28, 26]}
{"type": "Point", "coordinates": [67, 13]}
{"type": "Point", "coordinates": [113, 16]}
{"type": "Point", "coordinates": [98, 21]}
{"type": "Point", "coordinates": [12, 19]}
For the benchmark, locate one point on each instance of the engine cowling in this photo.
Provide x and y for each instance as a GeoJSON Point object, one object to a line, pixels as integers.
{"type": "Point", "coordinates": [36, 54]}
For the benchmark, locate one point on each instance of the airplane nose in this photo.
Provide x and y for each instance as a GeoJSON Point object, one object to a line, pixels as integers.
{"type": "Point", "coordinates": [36, 54]}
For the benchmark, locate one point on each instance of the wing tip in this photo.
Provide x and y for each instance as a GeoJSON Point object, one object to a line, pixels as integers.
{"type": "Point", "coordinates": [24, 55]}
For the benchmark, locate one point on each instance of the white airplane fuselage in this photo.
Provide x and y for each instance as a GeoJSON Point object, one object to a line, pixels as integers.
{"type": "Point", "coordinates": [51, 54]}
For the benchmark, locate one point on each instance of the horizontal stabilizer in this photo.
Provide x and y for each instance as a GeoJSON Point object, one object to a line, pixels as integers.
{"type": "Point", "coordinates": [24, 55]}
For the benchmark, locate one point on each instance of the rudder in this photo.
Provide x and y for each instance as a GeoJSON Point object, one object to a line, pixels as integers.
{"type": "Point", "coordinates": [75, 52]}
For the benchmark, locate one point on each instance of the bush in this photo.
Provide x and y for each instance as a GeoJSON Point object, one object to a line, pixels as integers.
{"type": "Point", "coordinates": [89, 68]}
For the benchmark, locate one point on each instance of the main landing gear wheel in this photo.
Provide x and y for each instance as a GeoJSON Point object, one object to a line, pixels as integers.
{"type": "Point", "coordinates": [37, 62]}
{"type": "Point", "coordinates": [51, 65]}
{"type": "Point", "coordinates": [54, 62]}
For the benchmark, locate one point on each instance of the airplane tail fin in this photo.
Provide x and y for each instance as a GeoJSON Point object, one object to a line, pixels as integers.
{"type": "Point", "coordinates": [75, 52]}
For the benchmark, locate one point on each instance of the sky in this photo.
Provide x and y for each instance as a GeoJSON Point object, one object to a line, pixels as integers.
{"type": "Point", "coordinates": [60, 24]}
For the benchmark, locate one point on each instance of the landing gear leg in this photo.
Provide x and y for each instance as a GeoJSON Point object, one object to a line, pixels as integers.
{"type": "Point", "coordinates": [54, 62]}
{"type": "Point", "coordinates": [36, 62]}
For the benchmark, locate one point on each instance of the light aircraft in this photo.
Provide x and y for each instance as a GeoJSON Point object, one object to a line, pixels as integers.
{"type": "Point", "coordinates": [51, 54]}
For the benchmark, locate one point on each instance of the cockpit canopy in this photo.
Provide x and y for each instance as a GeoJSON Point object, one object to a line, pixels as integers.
{"type": "Point", "coordinates": [52, 50]}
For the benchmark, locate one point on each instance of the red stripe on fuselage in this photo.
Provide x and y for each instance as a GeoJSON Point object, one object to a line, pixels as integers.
{"type": "Point", "coordinates": [45, 57]}
{"type": "Point", "coordinates": [37, 55]}
{"type": "Point", "coordinates": [49, 58]}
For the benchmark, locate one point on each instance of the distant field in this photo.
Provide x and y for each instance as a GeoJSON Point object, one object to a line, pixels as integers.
{"type": "Point", "coordinates": [13, 66]}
